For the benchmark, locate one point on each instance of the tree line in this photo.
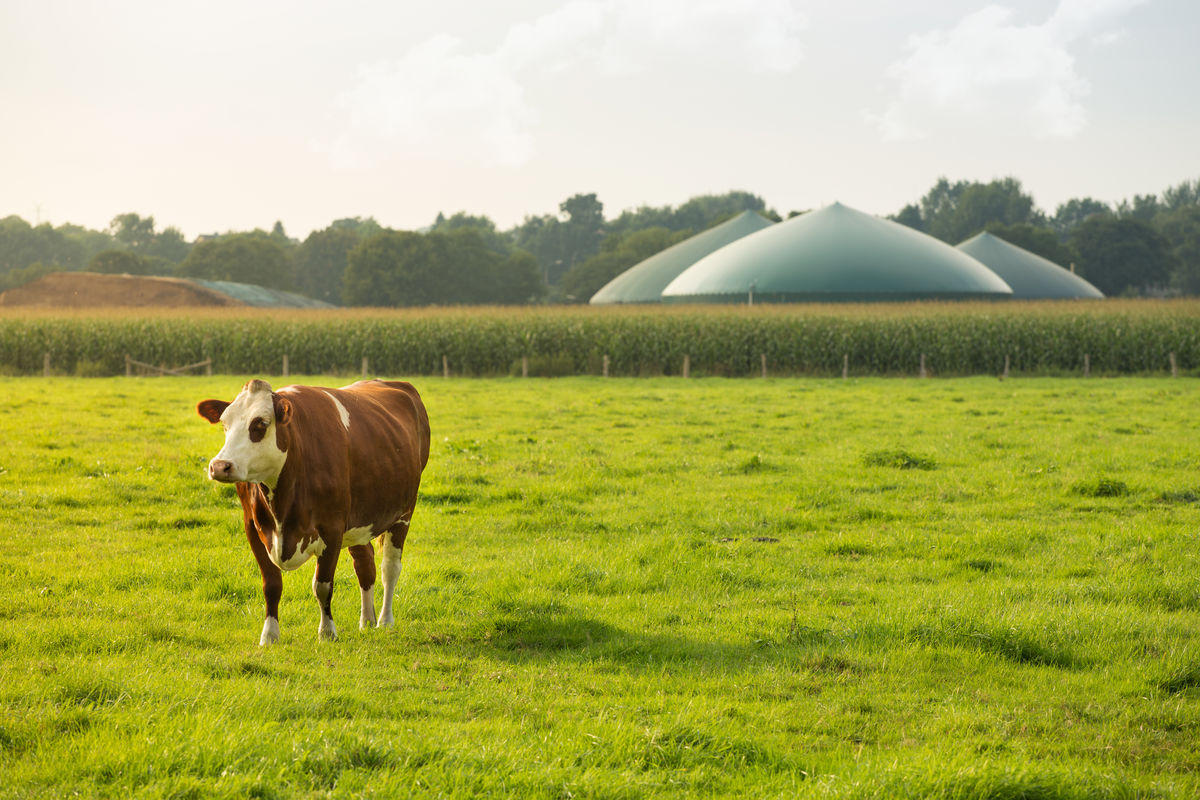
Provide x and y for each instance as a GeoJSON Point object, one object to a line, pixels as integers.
{"type": "Point", "coordinates": [1149, 245]}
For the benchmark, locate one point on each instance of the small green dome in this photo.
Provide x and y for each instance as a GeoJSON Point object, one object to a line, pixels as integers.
{"type": "Point", "coordinates": [1030, 276]}
{"type": "Point", "coordinates": [644, 281]}
{"type": "Point", "coordinates": [836, 254]}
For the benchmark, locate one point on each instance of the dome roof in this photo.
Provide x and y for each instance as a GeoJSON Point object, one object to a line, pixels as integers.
{"type": "Point", "coordinates": [836, 254]}
{"type": "Point", "coordinates": [1029, 275]}
{"type": "Point", "coordinates": [644, 281]}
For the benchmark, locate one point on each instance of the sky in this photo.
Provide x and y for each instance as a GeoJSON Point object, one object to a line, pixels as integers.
{"type": "Point", "coordinates": [230, 116]}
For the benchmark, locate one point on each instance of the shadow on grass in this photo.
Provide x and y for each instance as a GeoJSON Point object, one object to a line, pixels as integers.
{"type": "Point", "coordinates": [552, 632]}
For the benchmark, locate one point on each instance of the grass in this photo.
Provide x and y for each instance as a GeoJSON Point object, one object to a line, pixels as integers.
{"type": "Point", "coordinates": [959, 588]}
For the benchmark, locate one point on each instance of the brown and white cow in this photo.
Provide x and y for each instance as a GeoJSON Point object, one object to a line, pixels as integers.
{"type": "Point", "coordinates": [318, 470]}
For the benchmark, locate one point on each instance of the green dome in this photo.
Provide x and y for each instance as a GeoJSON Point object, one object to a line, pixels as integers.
{"type": "Point", "coordinates": [836, 254]}
{"type": "Point", "coordinates": [644, 281]}
{"type": "Point", "coordinates": [1030, 276]}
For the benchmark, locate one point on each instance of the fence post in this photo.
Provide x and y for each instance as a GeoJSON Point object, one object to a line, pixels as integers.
{"type": "Point", "coordinates": [128, 366]}
{"type": "Point", "coordinates": [445, 367]}
{"type": "Point", "coordinates": [1174, 366]}
{"type": "Point", "coordinates": [45, 365]}
{"type": "Point", "coordinates": [924, 373]}
{"type": "Point", "coordinates": [1087, 365]}
{"type": "Point", "coordinates": [524, 366]}
{"type": "Point", "coordinates": [1005, 365]}
{"type": "Point", "coordinates": [365, 368]}
{"type": "Point", "coordinates": [605, 367]}
{"type": "Point", "coordinates": [285, 365]}
{"type": "Point", "coordinates": [764, 365]}
{"type": "Point", "coordinates": [208, 366]}
{"type": "Point", "coordinates": [687, 364]}
{"type": "Point", "coordinates": [845, 366]}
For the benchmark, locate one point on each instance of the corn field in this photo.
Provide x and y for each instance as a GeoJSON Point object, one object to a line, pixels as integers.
{"type": "Point", "coordinates": [1115, 336]}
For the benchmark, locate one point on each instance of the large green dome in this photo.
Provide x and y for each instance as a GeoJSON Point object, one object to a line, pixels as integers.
{"type": "Point", "coordinates": [644, 281]}
{"type": "Point", "coordinates": [836, 254]}
{"type": "Point", "coordinates": [1030, 276]}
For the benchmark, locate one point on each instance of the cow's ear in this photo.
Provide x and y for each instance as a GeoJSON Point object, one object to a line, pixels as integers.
{"type": "Point", "coordinates": [211, 410]}
{"type": "Point", "coordinates": [283, 410]}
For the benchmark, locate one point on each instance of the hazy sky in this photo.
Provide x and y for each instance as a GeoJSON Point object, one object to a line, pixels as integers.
{"type": "Point", "coordinates": [232, 115]}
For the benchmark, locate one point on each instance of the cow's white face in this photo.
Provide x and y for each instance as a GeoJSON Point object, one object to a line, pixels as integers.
{"type": "Point", "coordinates": [251, 453]}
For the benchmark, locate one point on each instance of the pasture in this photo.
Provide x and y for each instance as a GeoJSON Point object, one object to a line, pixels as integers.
{"type": "Point", "coordinates": [954, 588]}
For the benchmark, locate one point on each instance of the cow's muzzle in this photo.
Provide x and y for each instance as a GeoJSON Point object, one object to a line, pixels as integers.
{"type": "Point", "coordinates": [221, 471]}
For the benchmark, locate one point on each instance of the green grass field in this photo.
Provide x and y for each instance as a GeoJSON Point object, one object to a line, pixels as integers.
{"type": "Point", "coordinates": [960, 588]}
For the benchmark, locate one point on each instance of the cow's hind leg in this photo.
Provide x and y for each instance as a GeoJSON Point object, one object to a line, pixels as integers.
{"type": "Point", "coordinates": [323, 590]}
{"type": "Point", "coordinates": [364, 568]}
{"type": "Point", "coordinates": [393, 549]}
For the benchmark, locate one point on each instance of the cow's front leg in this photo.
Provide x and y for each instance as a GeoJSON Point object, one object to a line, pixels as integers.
{"type": "Point", "coordinates": [364, 568]}
{"type": "Point", "coordinates": [272, 586]}
{"type": "Point", "coordinates": [323, 590]}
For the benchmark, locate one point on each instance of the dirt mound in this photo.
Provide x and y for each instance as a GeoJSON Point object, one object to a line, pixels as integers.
{"type": "Point", "coordinates": [91, 289]}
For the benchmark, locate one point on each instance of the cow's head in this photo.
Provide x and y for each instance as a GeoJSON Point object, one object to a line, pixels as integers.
{"type": "Point", "coordinates": [254, 451]}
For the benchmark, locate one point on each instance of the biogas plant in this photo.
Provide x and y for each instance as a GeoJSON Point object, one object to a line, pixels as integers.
{"type": "Point", "coordinates": [837, 254]}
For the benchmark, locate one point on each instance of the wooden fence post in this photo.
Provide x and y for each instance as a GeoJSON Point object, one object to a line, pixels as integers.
{"type": "Point", "coordinates": [687, 364]}
{"type": "Point", "coordinates": [128, 366]}
{"type": "Point", "coordinates": [285, 365]}
{"type": "Point", "coordinates": [1174, 366]}
{"type": "Point", "coordinates": [1087, 365]}
{"type": "Point", "coordinates": [445, 367]}
{"type": "Point", "coordinates": [208, 366]}
{"type": "Point", "coordinates": [924, 373]}
{"type": "Point", "coordinates": [45, 365]}
{"type": "Point", "coordinates": [524, 366]}
{"type": "Point", "coordinates": [605, 367]}
{"type": "Point", "coordinates": [1005, 365]}
{"type": "Point", "coordinates": [366, 368]}
{"type": "Point", "coordinates": [845, 366]}
{"type": "Point", "coordinates": [764, 365]}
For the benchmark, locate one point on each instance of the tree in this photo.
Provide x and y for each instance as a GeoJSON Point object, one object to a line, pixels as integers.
{"type": "Point", "coordinates": [618, 253]}
{"type": "Point", "coordinates": [697, 214]}
{"type": "Point", "coordinates": [136, 234]}
{"type": "Point", "coordinates": [1121, 255]}
{"type": "Point", "coordinates": [1143, 208]}
{"type": "Point", "coordinates": [320, 262]}
{"type": "Point", "coordinates": [22, 244]}
{"type": "Point", "coordinates": [1036, 239]}
{"type": "Point", "coordinates": [910, 215]}
{"type": "Point", "coordinates": [582, 232]}
{"type": "Point", "coordinates": [955, 213]}
{"type": "Point", "coordinates": [559, 244]}
{"type": "Point", "coordinates": [1069, 215]}
{"type": "Point", "coordinates": [123, 262]}
{"type": "Point", "coordinates": [252, 258]}
{"type": "Point", "coordinates": [1181, 196]}
{"type": "Point", "coordinates": [132, 231]}
{"type": "Point", "coordinates": [1181, 229]}
{"type": "Point", "coordinates": [402, 268]}
{"type": "Point", "coordinates": [499, 242]}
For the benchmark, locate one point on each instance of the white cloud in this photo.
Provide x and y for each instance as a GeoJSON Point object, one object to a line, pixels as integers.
{"type": "Point", "coordinates": [474, 106]}
{"type": "Point", "coordinates": [438, 99]}
{"type": "Point", "coordinates": [762, 36]}
{"type": "Point", "coordinates": [991, 72]}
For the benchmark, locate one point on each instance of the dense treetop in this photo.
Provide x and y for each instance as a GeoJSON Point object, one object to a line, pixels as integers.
{"type": "Point", "coordinates": [1146, 245]}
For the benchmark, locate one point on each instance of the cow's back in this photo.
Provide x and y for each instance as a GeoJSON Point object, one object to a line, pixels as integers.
{"type": "Point", "coordinates": [365, 446]}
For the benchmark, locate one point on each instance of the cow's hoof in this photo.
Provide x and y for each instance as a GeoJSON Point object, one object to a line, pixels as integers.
{"type": "Point", "coordinates": [270, 632]}
{"type": "Point", "coordinates": [327, 634]}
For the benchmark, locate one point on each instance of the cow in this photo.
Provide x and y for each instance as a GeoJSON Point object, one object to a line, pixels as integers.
{"type": "Point", "coordinates": [320, 469]}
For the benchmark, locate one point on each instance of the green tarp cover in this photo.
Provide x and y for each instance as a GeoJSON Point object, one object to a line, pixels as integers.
{"type": "Point", "coordinates": [1030, 276]}
{"type": "Point", "coordinates": [835, 254]}
{"type": "Point", "coordinates": [644, 282]}
{"type": "Point", "coordinates": [261, 296]}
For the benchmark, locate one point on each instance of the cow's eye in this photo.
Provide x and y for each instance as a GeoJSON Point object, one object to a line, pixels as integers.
{"type": "Point", "coordinates": [258, 429]}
